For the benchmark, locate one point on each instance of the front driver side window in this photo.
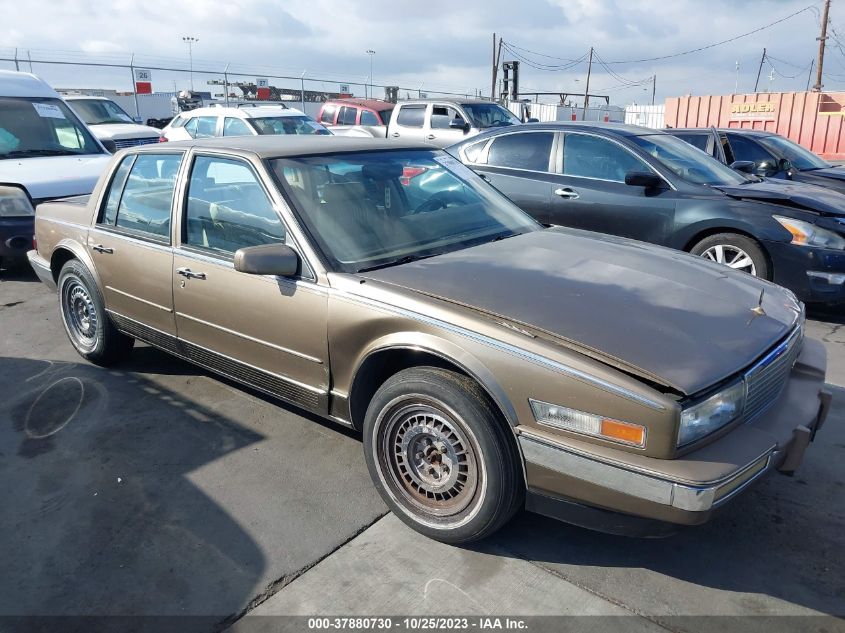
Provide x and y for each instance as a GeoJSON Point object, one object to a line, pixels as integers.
{"type": "Point", "coordinates": [746, 149]}
{"type": "Point", "coordinates": [227, 208]}
{"type": "Point", "coordinates": [588, 156]}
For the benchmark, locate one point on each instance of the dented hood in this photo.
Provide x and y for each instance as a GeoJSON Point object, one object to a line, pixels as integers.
{"type": "Point", "coordinates": [791, 194]}
{"type": "Point", "coordinates": [669, 317]}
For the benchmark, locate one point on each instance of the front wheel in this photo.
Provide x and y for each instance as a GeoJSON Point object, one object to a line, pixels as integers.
{"type": "Point", "coordinates": [735, 251]}
{"type": "Point", "coordinates": [441, 456]}
{"type": "Point", "coordinates": [88, 327]}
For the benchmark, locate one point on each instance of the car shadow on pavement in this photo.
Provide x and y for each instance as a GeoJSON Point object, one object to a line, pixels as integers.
{"type": "Point", "coordinates": [784, 539]}
{"type": "Point", "coordinates": [101, 515]}
{"type": "Point", "coordinates": [19, 272]}
{"type": "Point", "coordinates": [827, 314]}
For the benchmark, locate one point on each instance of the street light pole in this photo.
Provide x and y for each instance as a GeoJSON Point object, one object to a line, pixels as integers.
{"type": "Point", "coordinates": [371, 53]}
{"type": "Point", "coordinates": [190, 41]}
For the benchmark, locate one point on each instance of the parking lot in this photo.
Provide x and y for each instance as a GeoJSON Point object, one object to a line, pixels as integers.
{"type": "Point", "coordinates": [155, 488]}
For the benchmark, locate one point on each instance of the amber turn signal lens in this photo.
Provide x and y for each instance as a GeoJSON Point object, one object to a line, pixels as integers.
{"type": "Point", "coordinates": [624, 432]}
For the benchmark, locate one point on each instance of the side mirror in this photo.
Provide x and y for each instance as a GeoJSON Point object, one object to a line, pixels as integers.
{"type": "Point", "coordinates": [766, 168]}
{"type": "Point", "coordinates": [459, 124]}
{"type": "Point", "coordinates": [267, 259]}
{"type": "Point", "coordinates": [784, 165]}
{"type": "Point", "coordinates": [110, 145]}
{"type": "Point", "coordinates": [645, 179]}
{"type": "Point", "coordinates": [744, 166]}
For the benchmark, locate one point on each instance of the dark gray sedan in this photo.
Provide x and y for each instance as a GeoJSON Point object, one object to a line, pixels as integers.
{"type": "Point", "coordinates": [650, 186]}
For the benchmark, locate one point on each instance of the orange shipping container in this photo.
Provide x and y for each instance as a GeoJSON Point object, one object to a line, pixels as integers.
{"type": "Point", "coordinates": [812, 119]}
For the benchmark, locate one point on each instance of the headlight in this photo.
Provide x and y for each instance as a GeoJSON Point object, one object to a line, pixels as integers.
{"type": "Point", "coordinates": [14, 202]}
{"type": "Point", "coordinates": [711, 414]}
{"type": "Point", "coordinates": [808, 234]}
{"type": "Point", "coordinates": [588, 423]}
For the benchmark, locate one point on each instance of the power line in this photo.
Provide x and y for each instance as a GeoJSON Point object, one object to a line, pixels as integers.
{"type": "Point", "coordinates": [541, 66]}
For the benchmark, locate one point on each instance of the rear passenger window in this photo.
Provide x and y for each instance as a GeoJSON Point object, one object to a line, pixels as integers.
{"type": "Point", "coordinates": [368, 118]}
{"type": "Point", "coordinates": [347, 116]}
{"type": "Point", "coordinates": [411, 116]}
{"type": "Point", "coordinates": [115, 191]}
{"type": "Point", "coordinates": [147, 198]}
{"type": "Point", "coordinates": [227, 208]}
{"type": "Point", "coordinates": [327, 116]}
{"type": "Point", "coordinates": [527, 150]}
{"type": "Point", "coordinates": [235, 127]}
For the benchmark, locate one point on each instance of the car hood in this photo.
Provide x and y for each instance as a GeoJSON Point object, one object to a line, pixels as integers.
{"type": "Point", "coordinates": [54, 176]}
{"type": "Point", "coordinates": [111, 131]}
{"type": "Point", "coordinates": [661, 314]}
{"type": "Point", "coordinates": [792, 194]}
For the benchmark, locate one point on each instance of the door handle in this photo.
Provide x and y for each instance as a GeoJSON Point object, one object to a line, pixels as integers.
{"type": "Point", "coordinates": [395, 135]}
{"type": "Point", "coordinates": [187, 272]}
{"type": "Point", "coordinates": [102, 249]}
{"type": "Point", "coordinates": [566, 192]}
{"type": "Point", "coordinates": [485, 178]}
{"type": "Point", "coordinates": [431, 137]}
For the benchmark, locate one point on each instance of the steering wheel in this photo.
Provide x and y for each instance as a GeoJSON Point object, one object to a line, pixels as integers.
{"type": "Point", "coordinates": [438, 201]}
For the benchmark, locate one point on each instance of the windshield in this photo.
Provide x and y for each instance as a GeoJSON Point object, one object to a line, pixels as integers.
{"type": "Point", "coordinates": [100, 111]}
{"type": "Point", "coordinates": [801, 159]}
{"type": "Point", "coordinates": [287, 125]}
{"type": "Point", "coordinates": [42, 127]}
{"type": "Point", "coordinates": [687, 161]}
{"type": "Point", "coordinates": [484, 115]}
{"type": "Point", "coordinates": [374, 209]}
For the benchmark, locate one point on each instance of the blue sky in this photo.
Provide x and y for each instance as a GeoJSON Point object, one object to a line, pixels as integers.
{"type": "Point", "coordinates": [432, 44]}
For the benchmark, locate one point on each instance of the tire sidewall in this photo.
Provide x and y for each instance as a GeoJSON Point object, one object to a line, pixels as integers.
{"type": "Point", "coordinates": [475, 421]}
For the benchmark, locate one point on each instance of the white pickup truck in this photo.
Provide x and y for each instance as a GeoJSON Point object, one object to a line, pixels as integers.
{"type": "Point", "coordinates": [441, 122]}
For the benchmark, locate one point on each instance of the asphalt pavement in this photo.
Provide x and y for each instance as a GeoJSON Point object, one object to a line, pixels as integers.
{"type": "Point", "coordinates": [155, 488]}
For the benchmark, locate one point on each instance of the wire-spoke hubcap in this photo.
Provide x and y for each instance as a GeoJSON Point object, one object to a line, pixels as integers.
{"type": "Point", "coordinates": [79, 313]}
{"type": "Point", "coordinates": [429, 459]}
{"type": "Point", "coordinates": [731, 256]}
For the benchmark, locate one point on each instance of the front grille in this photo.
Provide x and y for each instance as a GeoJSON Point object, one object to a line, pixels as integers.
{"type": "Point", "coordinates": [766, 379]}
{"type": "Point", "coordinates": [132, 142]}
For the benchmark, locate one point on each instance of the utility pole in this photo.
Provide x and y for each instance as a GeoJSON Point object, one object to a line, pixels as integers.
{"type": "Point", "coordinates": [760, 69]}
{"type": "Point", "coordinates": [810, 75]}
{"type": "Point", "coordinates": [736, 82]}
{"type": "Point", "coordinates": [587, 90]}
{"type": "Point", "coordinates": [653, 88]}
{"type": "Point", "coordinates": [822, 41]}
{"type": "Point", "coordinates": [497, 55]}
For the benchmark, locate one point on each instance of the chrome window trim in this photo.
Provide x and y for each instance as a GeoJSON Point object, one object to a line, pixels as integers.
{"type": "Point", "coordinates": [513, 350]}
{"type": "Point", "coordinates": [249, 338]}
{"type": "Point", "coordinates": [143, 241]}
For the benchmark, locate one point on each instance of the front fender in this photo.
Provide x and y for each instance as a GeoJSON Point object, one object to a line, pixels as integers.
{"type": "Point", "coordinates": [447, 351]}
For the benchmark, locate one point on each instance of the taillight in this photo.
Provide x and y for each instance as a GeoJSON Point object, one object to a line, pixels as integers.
{"type": "Point", "coordinates": [163, 139]}
{"type": "Point", "coordinates": [409, 173]}
{"type": "Point", "coordinates": [34, 243]}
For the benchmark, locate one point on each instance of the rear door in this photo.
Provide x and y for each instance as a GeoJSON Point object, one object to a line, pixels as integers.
{"type": "Point", "coordinates": [131, 243]}
{"type": "Point", "coordinates": [521, 166]}
{"type": "Point", "coordinates": [590, 191]}
{"type": "Point", "coordinates": [408, 122]}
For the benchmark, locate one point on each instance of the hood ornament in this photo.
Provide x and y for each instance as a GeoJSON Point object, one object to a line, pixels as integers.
{"type": "Point", "coordinates": [758, 309]}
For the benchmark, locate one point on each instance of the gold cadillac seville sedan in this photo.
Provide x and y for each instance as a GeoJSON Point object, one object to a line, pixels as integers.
{"type": "Point", "coordinates": [489, 363]}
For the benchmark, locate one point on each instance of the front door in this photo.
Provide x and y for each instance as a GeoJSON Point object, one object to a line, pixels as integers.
{"type": "Point", "coordinates": [590, 191]}
{"type": "Point", "coordinates": [440, 130]}
{"type": "Point", "coordinates": [131, 245]}
{"type": "Point", "coordinates": [264, 330]}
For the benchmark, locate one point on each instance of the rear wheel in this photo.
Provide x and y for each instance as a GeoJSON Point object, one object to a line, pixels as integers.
{"type": "Point", "coordinates": [735, 251]}
{"type": "Point", "coordinates": [441, 455]}
{"type": "Point", "coordinates": [88, 327]}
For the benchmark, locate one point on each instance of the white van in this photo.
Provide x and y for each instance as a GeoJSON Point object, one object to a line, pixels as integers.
{"type": "Point", "coordinates": [46, 152]}
{"type": "Point", "coordinates": [110, 123]}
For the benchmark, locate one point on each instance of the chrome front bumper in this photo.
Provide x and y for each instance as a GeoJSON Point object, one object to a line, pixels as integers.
{"type": "Point", "coordinates": [42, 268]}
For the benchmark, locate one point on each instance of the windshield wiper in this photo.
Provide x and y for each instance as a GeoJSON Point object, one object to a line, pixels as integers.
{"type": "Point", "coordinates": [406, 259]}
{"type": "Point", "coordinates": [22, 153]}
